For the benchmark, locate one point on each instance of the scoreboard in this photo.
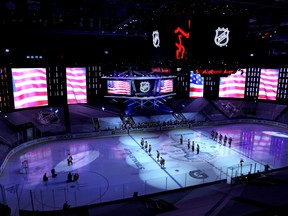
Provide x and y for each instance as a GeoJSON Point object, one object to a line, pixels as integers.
{"type": "Point", "coordinates": [139, 87]}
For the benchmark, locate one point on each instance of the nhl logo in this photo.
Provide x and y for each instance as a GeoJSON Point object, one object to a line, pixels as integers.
{"type": "Point", "coordinates": [144, 86]}
{"type": "Point", "coordinates": [156, 39]}
{"type": "Point", "coordinates": [221, 37]}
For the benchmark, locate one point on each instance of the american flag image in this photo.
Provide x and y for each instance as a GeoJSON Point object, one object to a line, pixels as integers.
{"type": "Point", "coordinates": [233, 86]}
{"type": "Point", "coordinates": [120, 87]}
{"type": "Point", "coordinates": [268, 84]}
{"type": "Point", "coordinates": [196, 85]}
{"type": "Point", "coordinates": [166, 86]}
{"type": "Point", "coordinates": [76, 85]}
{"type": "Point", "coordinates": [29, 87]}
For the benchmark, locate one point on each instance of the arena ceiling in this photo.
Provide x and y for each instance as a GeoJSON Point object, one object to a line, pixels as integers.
{"type": "Point", "coordinates": [264, 15]}
{"type": "Point", "coordinates": [268, 19]}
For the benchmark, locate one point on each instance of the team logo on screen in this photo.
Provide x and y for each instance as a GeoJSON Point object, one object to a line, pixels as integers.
{"type": "Point", "coordinates": [221, 37]}
{"type": "Point", "coordinates": [156, 38]}
{"type": "Point", "coordinates": [144, 86]}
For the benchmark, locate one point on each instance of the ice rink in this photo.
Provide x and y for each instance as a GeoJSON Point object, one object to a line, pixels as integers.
{"type": "Point", "coordinates": [116, 166]}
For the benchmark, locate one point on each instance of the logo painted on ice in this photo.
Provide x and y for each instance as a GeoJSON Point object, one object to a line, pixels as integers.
{"type": "Point", "coordinates": [144, 86]}
{"type": "Point", "coordinates": [198, 174]}
{"type": "Point", "coordinates": [156, 38]}
{"type": "Point", "coordinates": [221, 37]}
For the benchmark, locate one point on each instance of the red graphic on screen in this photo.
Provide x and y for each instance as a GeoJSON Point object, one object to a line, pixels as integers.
{"type": "Point", "coordinates": [180, 52]}
{"type": "Point", "coordinates": [161, 70]}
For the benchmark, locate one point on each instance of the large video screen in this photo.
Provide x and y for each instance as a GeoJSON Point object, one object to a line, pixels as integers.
{"type": "Point", "coordinates": [197, 37]}
{"type": "Point", "coordinates": [196, 85]}
{"type": "Point", "coordinates": [268, 84]}
{"type": "Point", "coordinates": [218, 36]}
{"type": "Point", "coordinates": [118, 87]}
{"type": "Point", "coordinates": [29, 87]}
{"type": "Point", "coordinates": [233, 86]}
{"type": "Point", "coordinates": [161, 39]}
{"type": "Point", "coordinates": [76, 85]}
{"type": "Point", "coordinates": [166, 86]}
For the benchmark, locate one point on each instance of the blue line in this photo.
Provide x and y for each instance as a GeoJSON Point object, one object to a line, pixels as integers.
{"type": "Point", "coordinates": [160, 166]}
